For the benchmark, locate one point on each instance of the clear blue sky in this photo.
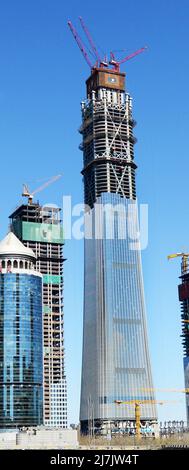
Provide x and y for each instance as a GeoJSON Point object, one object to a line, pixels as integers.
{"type": "Point", "coordinates": [42, 82]}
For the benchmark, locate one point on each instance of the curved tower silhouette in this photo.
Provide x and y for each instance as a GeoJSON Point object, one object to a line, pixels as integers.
{"type": "Point", "coordinates": [116, 363]}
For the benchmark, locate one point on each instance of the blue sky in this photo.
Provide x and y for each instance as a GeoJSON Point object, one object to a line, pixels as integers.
{"type": "Point", "coordinates": [42, 82]}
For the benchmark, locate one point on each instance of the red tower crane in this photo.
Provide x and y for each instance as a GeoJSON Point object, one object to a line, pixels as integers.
{"type": "Point", "coordinates": [99, 62]}
{"type": "Point", "coordinates": [116, 64]}
{"type": "Point", "coordinates": [91, 42]}
{"type": "Point", "coordinates": [80, 44]}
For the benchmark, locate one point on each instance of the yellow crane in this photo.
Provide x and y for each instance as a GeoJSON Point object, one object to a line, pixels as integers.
{"type": "Point", "coordinates": [184, 264]}
{"type": "Point", "coordinates": [137, 404]}
{"type": "Point", "coordinates": [27, 193]}
{"type": "Point", "coordinates": [185, 390]}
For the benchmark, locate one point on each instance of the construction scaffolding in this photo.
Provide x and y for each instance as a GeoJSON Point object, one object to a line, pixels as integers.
{"type": "Point", "coordinates": [108, 141]}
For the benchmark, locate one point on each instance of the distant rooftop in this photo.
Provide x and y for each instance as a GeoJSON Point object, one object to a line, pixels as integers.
{"type": "Point", "coordinates": [11, 245]}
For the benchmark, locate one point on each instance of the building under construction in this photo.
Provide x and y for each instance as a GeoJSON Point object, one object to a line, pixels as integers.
{"type": "Point", "coordinates": [116, 362]}
{"type": "Point", "coordinates": [183, 290]}
{"type": "Point", "coordinates": [40, 228]}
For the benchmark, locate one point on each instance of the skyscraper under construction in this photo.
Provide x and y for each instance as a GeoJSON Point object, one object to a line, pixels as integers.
{"type": "Point", "coordinates": [183, 291]}
{"type": "Point", "coordinates": [40, 228]}
{"type": "Point", "coordinates": [184, 299]}
{"type": "Point", "coordinates": [116, 362]}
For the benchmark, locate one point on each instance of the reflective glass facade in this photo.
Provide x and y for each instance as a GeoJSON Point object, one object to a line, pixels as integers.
{"type": "Point", "coordinates": [116, 364]}
{"type": "Point", "coordinates": [21, 355]}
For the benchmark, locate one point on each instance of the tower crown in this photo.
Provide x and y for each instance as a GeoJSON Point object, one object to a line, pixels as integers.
{"type": "Point", "coordinates": [105, 78]}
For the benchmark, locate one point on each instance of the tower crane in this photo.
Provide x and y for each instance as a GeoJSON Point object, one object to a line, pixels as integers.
{"type": "Point", "coordinates": [80, 44]}
{"type": "Point", "coordinates": [91, 42]}
{"type": "Point", "coordinates": [99, 62]}
{"type": "Point", "coordinates": [137, 404]}
{"type": "Point", "coordinates": [184, 264]}
{"type": "Point", "coordinates": [116, 64]}
{"type": "Point", "coordinates": [27, 193]}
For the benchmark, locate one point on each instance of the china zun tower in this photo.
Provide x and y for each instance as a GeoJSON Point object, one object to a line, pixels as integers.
{"type": "Point", "coordinates": [116, 362]}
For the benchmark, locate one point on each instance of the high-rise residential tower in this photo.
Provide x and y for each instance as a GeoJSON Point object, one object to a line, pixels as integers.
{"type": "Point", "coordinates": [116, 362]}
{"type": "Point", "coordinates": [21, 337]}
{"type": "Point", "coordinates": [40, 228]}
